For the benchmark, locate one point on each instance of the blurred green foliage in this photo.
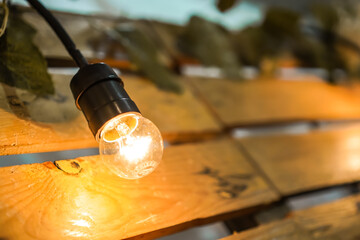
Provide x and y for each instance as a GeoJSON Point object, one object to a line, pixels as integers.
{"type": "Point", "coordinates": [21, 63]}
{"type": "Point", "coordinates": [143, 52]}
{"type": "Point", "coordinates": [283, 38]}
{"type": "Point", "coordinates": [210, 43]}
{"type": "Point", "coordinates": [282, 33]}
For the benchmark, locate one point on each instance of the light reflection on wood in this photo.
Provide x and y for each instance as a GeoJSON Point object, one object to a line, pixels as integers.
{"type": "Point", "coordinates": [39, 201]}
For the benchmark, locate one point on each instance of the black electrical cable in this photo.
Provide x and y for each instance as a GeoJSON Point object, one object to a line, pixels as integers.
{"type": "Point", "coordinates": [60, 32]}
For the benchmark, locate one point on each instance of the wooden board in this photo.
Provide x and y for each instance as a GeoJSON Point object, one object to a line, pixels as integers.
{"type": "Point", "coordinates": [29, 124]}
{"type": "Point", "coordinates": [332, 221]}
{"type": "Point", "coordinates": [180, 117]}
{"type": "Point", "coordinates": [89, 33]}
{"type": "Point", "coordinates": [194, 184]}
{"type": "Point", "coordinates": [86, 32]}
{"type": "Point", "coordinates": [298, 163]}
{"type": "Point", "coordinates": [91, 36]}
{"type": "Point", "coordinates": [273, 101]}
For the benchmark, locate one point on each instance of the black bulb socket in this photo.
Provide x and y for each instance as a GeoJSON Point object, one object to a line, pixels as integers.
{"type": "Point", "coordinates": [99, 93]}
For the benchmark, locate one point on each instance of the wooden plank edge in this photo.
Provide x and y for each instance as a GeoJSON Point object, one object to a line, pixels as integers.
{"type": "Point", "coordinates": [199, 222]}
{"type": "Point", "coordinates": [249, 202]}
{"type": "Point", "coordinates": [47, 147]}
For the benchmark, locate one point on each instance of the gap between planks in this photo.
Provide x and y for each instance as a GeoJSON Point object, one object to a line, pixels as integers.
{"type": "Point", "coordinates": [56, 124]}
{"type": "Point", "coordinates": [330, 221]}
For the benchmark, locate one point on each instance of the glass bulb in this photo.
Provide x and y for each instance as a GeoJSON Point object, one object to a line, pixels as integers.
{"type": "Point", "coordinates": [130, 145]}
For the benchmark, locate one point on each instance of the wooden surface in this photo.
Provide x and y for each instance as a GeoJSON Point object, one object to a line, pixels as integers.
{"type": "Point", "coordinates": [194, 184]}
{"type": "Point", "coordinates": [180, 117]}
{"type": "Point", "coordinates": [84, 30]}
{"type": "Point", "coordinates": [298, 163]}
{"type": "Point", "coordinates": [29, 124]}
{"type": "Point", "coordinates": [89, 32]}
{"type": "Point", "coordinates": [338, 220]}
{"type": "Point", "coordinates": [90, 36]}
{"type": "Point", "coordinates": [270, 101]}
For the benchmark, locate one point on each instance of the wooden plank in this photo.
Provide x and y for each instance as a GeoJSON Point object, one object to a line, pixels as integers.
{"type": "Point", "coordinates": [336, 220]}
{"type": "Point", "coordinates": [272, 101]}
{"type": "Point", "coordinates": [89, 34]}
{"type": "Point", "coordinates": [180, 117]}
{"type": "Point", "coordinates": [84, 30]}
{"type": "Point", "coordinates": [30, 124]}
{"type": "Point", "coordinates": [298, 163]}
{"type": "Point", "coordinates": [194, 184]}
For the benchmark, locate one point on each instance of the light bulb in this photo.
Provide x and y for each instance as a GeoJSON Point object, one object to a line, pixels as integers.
{"type": "Point", "coordinates": [130, 145]}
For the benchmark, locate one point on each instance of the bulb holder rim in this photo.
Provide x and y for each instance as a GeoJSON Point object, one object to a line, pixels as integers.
{"type": "Point", "coordinates": [90, 75]}
{"type": "Point", "coordinates": [99, 93]}
{"type": "Point", "coordinates": [98, 134]}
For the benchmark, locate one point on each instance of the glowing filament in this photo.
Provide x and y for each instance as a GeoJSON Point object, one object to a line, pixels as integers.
{"type": "Point", "coordinates": [135, 148]}
{"type": "Point", "coordinates": [131, 145]}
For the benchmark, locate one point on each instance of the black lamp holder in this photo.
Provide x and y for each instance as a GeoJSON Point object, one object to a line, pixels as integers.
{"type": "Point", "coordinates": [97, 89]}
{"type": "Point", "coordinates": [100, 94]}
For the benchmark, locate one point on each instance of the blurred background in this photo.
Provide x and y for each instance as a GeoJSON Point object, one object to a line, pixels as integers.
{"type": "Point", "coordinates": [233, 39]}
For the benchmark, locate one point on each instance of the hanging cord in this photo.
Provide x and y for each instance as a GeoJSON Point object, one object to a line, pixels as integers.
{"type": "Point", "coordinates": [60, 32]}
{"type": "Point", "coordinates": [5, 19]}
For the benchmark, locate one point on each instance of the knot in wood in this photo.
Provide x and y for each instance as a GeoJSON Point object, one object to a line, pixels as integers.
{"type": "Point", "coordinates": [71, 167]}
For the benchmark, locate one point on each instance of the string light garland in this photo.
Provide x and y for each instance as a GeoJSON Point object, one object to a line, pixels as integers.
{"type": "Point", "coordinates": [130, 145]}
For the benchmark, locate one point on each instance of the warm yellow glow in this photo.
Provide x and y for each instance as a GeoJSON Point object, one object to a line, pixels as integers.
{"type": "Point", "coordinates": [81, 223]}
{"type": "Point", "coordinates": [86, 211]}
{"type": "Point", "coordinates": [135, 148]}
{"type": "Point", "coordinates": [352, 142]}
{"type": "Point", "coordinates": [131, 145]}
{"type": "Point", "coordinates": [354, 162]}
{"type": "Point", "coordinates": [118, 129]}
{"type": "Point", "coordinates": [75, 233]}
{"type": "Point", "coordinates": [132, 148]}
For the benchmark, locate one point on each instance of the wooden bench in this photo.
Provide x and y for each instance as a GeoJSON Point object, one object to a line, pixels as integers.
{"type": "Point", "coordinates": [205, 176]}
{"type": "Point", "coordinates": [196, 183]}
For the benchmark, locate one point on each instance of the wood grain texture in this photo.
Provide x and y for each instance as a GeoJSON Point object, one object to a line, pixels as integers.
{"type": "Point", "coordinates": [30, 124]}
{"type": "Point", "coordinates": [297, 163]}
{"type": "Point", "coordinates": [271, 101]}
{"type": "Point", "coordinates": [194, 184]}
{"type": "Point", "coordinates": [180, 117]}
{"type": "Point", "coordinates": [337, 220]}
